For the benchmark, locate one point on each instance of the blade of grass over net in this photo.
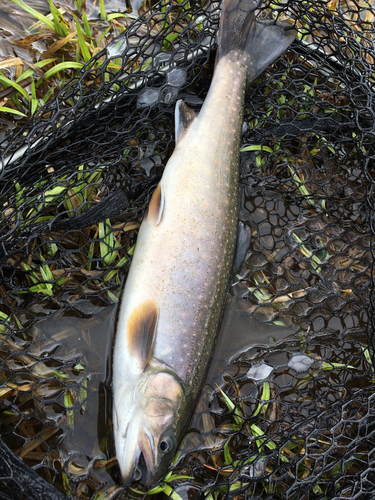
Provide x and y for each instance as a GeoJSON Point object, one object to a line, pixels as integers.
{"type": "Point", "coordinates": [63, 66]}
{"type": "Point", "coordinates": [4, 109]}
{"type": "Point", "coordinates": [35, 13]}
{"type": "Point", "coordinates": [7, 83]}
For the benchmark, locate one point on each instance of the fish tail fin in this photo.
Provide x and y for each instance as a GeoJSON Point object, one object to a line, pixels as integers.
{"type": "Point", "coordinates": [256, 44]}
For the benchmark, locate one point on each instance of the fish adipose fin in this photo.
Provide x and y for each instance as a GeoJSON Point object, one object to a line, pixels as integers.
{"type": "Point", "coordinates": [184, 116]}
{"type": "Point", "coordinates": [141, 332]}
{"type": "Point", "coordinates": [256, 44]}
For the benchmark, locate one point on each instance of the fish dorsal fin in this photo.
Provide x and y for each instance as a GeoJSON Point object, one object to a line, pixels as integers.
{"type": "Point", "coordinates": [141, 332]}
{"type": "Point", "coordinates": [156, 206]}
{"type": "Point", "coordinates": [184, 116]}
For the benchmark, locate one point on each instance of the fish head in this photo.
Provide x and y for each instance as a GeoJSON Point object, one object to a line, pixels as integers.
{"type": "Point", "coordinates": [149, 434]}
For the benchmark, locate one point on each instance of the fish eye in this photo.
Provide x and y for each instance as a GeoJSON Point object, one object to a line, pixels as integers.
{"type": "Point", "coordinates": [166, 444]}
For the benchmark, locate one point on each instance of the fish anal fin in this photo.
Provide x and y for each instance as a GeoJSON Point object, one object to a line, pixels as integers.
{"type": "Point", "coordinates": [156, 206]}
{"type": "Point", "coordinates": [141, 332]}
{"type": "Point", "coordinates": [184, 116]}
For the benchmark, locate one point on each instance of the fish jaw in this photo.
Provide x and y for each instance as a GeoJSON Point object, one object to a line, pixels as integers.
{"type": "Point", "coordinates": [146, 425]}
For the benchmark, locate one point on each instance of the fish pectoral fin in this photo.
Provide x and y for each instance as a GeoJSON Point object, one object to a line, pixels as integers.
{"type": "Point", "coordinates": [156, 206]}
{"type": "Point", "coordinates": [141, 332]}
{"type": "Point", "coordinates": [184, 116]}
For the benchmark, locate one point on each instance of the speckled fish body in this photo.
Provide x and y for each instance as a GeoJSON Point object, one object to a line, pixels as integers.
{"type": "Point", "coordinates": [183, 262]}
{"type": "Point", "coordinates": [178, 280]}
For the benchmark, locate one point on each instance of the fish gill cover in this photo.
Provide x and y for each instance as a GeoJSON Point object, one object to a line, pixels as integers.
{"type": "Point", "coordinates": [288, 410]}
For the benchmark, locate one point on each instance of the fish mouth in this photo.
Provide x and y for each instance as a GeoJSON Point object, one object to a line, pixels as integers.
{"type": "Point", "coordinates": [146, 461]}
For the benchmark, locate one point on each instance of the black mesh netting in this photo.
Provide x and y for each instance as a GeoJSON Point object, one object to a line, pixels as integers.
{"type": "Point", "coordinates": [295, 414]}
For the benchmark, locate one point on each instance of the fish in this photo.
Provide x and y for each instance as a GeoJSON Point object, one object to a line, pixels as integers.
{"type": "Point", "coordinates": [178, 280]}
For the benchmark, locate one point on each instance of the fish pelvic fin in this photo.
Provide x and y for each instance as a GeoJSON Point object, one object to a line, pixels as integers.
{"type": "Point", "coordinates": [141, 332]}
{"type": "Point", "coordinates": [254, 43]}
{"type": "Point", "coordinates": [184, 116]}
{"type": "Point", "coordinates": [156, 206]}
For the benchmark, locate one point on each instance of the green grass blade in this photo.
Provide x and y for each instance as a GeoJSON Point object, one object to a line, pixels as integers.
{"type": "Point", "coordinates": [63, 66]}
{"type": "Point", "coordinates": [115, 15]}
{"type": "Point", "coordinates": [4, 109]}
{"type": "Point", "coordinates": [58, 21]}
{"type": "Point", "coordinates": [256, 147]}
{"type": "Point", "coordinates": [103, 14]}
{"type": "Point", "coordinates": [86, 25]}
{"type": "Point", "coordinates": [82, 44]}
{"type": "Point", "coordinates": [31, 71]}
{"type": "Point", "coordinates": [15, 85]}
{"type": "Point", "coordinates": [35, 13]}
